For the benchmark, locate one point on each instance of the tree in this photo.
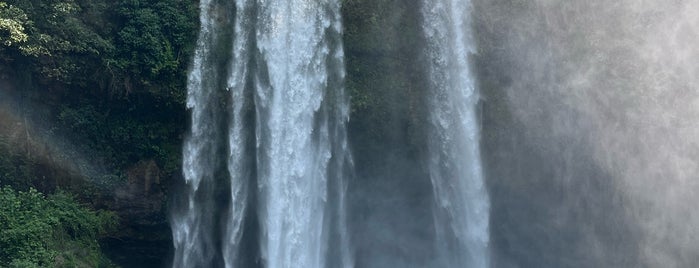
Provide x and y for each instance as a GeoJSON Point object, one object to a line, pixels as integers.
{"type": "Point", "coordinates": [12, 21]}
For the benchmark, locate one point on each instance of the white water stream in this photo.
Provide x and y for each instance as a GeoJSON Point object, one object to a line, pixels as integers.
{"type": "Point", "coordinates": [462, 207]}
{"type": "Point", "coordinates": [291, 52]}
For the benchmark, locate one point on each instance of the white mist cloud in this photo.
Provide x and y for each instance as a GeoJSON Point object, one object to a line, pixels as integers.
{"type": "Point", "coordinates": [622, 78]}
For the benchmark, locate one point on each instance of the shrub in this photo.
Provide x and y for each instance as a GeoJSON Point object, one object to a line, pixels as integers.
{"type": "Point", "coordinates": [53, 231]}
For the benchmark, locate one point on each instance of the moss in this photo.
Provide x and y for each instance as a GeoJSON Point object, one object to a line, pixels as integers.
{"type": "Point", "coordinates": [383, 40]}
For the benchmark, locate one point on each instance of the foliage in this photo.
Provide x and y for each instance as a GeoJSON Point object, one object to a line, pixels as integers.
{"type": "Point", "coordinates": [123, 45]}
{"type": "Point", "coordinates": [53, 37]}
{"type": "Point", "coordinates": [128, 133]}
{"type": "Point", "coordinates": [12, 22]}
{"type": "Point", "coordinates": [39, 231]}
{"type": "Point", "coordinates": [154, 41]}
{"type": "Point", "coordinates": [15, 170]}
{"type": "Point", "coordinates": [113, 76]}
{"type": "Point", "coordinates": [114, 72]}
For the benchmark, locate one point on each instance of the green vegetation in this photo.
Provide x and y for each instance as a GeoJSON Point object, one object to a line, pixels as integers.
{"type": "Point", "coordinates": [108, 76]}
{"type": "Point", "coordinates": [15, 170]}
{"type": "Point", "coordinates": [114, 71]}
{"type": "Point", "coordinates": [53, 231]}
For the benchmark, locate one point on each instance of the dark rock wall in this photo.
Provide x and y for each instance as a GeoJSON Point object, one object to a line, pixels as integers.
{"type": "Point", "coordinates": [390, 198]}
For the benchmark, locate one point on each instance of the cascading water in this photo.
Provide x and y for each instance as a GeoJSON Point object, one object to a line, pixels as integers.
{"type": "Point", "coordinates": [286, 65]}
{"type": "Point", "coordinates": [266, 162]}
{"type": "Point", "coordinates": [462, 207]}
{"type": "Point", "coordinates": [192, 227]}
{"type": "Point", "coordinates": [293, 132]}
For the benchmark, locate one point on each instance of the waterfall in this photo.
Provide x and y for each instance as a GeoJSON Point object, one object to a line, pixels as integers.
{"type": "Point", "coordinates": [293, 132]}
{"type": "Point", "coordinates": [192, 227]}
{"type": "Point", "coordinates": [282, 122]}
{"type": "Point", "coordinates": [461, 211]}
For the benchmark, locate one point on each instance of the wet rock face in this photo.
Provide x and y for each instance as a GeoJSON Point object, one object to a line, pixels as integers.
{"type": "Point", "coordinates": [144, 177]}
{"type": "Point", "coordinates": [141, 200]}
{"type": "Point", "coordinates": [143, 238]}
{"type": "Point", "coordinates": [34, 153]}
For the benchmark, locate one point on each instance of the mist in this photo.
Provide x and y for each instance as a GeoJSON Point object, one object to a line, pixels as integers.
{"type": "Point", "coordinates": [26, 132]}
{"type": "Point", "coordinates": [590, 113]}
